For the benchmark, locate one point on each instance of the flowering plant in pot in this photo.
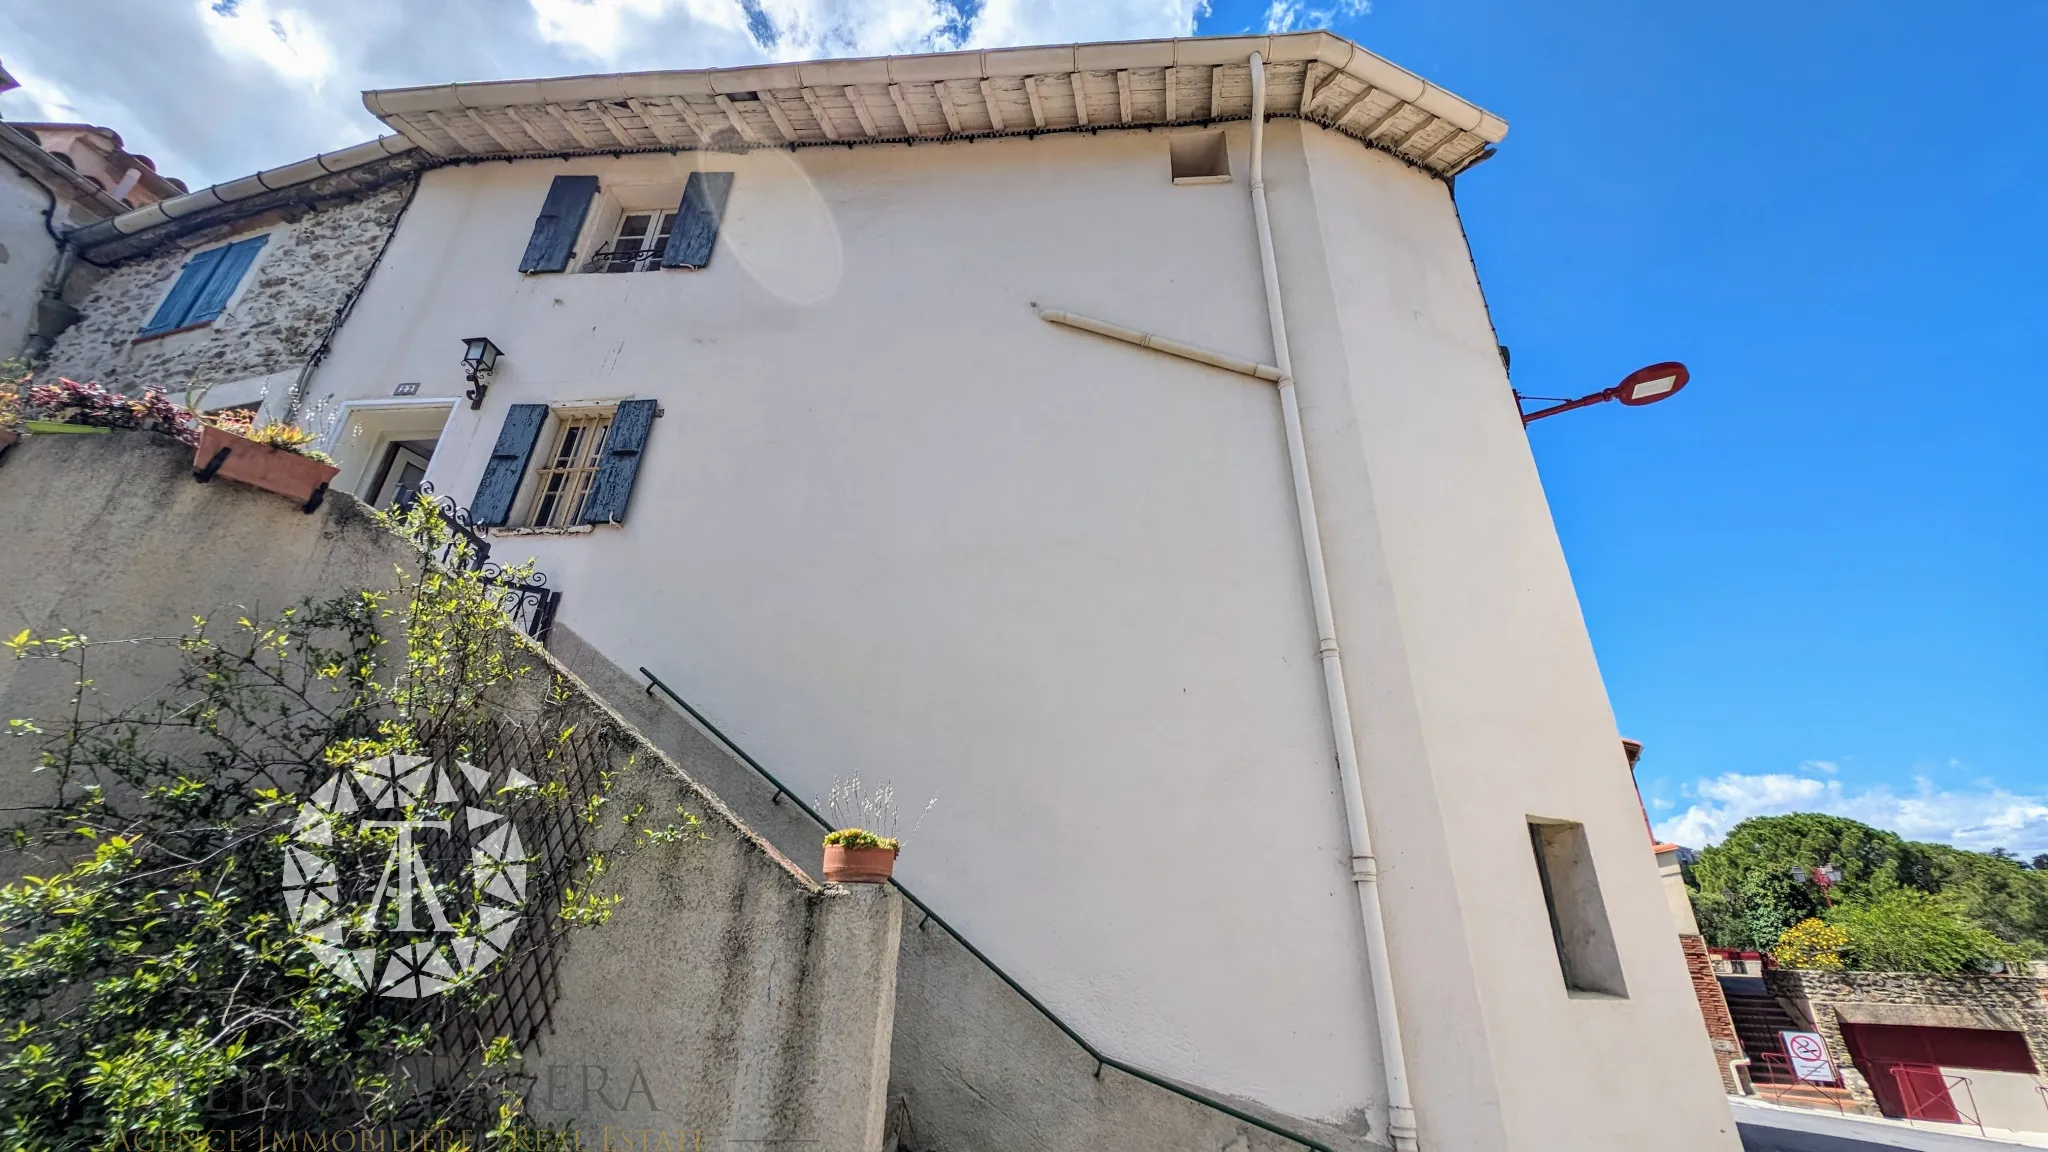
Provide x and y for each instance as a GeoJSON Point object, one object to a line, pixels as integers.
{"type": "Point", "coordinates": [862, 850]}
{"type": "Point", "coordinates": [276, 457]}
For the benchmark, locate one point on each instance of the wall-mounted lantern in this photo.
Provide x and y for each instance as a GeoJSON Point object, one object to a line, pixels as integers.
{"type": "Point", "coordinates": [479, 359]}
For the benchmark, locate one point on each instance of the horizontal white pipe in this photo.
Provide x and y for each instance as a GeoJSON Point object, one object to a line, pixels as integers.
{"type": "Point", "coordinates": [1161, 344]}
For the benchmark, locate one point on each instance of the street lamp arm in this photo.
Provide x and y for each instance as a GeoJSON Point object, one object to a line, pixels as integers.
{"type": "Point", "coordinates": [1599, 397]}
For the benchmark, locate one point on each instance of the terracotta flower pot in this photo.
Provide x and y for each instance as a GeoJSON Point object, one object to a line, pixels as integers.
{"type": "Point", "coordinates": [298, 478]}
{"type": "Point", "coordinates": [8, 438]}
{"type": "Point", "coordinates": [845, 865]}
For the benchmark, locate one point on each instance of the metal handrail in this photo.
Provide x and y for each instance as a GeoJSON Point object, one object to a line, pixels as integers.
{"type": "Point", "coordinates": [930, 917]}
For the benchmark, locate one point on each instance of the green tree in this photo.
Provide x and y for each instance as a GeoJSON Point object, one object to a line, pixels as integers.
{"type": "Point", "coordinates": [1906, 930]}
{"type": "Point", "coordinates": [1871, 859]}
{"type": "Point", "coordinates": [1993, 891]}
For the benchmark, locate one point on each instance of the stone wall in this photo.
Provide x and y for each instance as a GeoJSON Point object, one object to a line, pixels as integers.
{"type": "Point", "coordinates": [1923, 999]}
{"type": "Point", "coordinates": [730, 1001]}
{"type": "Point", "coordinates": [1713, 1009]}
{"type": "Point", "coordinates": [279, 316]}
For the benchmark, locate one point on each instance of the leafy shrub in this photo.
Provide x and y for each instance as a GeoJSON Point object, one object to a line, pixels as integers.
{"type": "Point", "coordinates": [1907, 930]}
{"type": "Point", "coordinates": [69, 402]}
{"type": "Point", "coordinates": [1811, 944]}
{"type": "Point", "coordinates": [152, 982]}
{"type": "Point", "coordinates": [859, 838]}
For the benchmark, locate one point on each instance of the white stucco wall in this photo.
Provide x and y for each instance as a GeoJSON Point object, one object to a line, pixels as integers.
{"type": "Point", "coordinates": [892, 524]}
{"type": "Point", "coordinates": [29, 255]}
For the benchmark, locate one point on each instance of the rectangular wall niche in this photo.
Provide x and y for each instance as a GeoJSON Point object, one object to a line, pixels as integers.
{"type": "Point", "coordinates": [1578, 916]}
{"type": "Point", "coordinates": [1199, 158]}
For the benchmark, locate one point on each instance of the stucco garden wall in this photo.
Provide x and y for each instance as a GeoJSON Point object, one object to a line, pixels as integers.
{"type": "Point", "coordinates": [730, 997]}
{"type": "Point", "coordinates": [280, 313]}
{"type": "Point", "coordinates": [1921, 999]}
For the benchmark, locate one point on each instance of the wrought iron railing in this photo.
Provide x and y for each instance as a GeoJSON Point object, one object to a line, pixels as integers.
{"type": "Point", "coordinates": [930, 917]}
{"type": "Point", "coordinates": [623, 260]}
{"type": "Point", "coordinates": [525, 597]}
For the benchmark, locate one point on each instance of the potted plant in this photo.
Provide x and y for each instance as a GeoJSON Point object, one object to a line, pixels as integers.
{"type": "Point", "coordinates": [863, 849]}
{"type": "Point", "coordinates": [275, 457]}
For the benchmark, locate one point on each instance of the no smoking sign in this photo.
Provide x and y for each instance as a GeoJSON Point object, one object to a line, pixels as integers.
{"type": "Point", "coordinates": [1809, 1055]}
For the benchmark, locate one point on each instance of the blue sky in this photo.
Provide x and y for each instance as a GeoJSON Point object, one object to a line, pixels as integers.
{"type": "Point", "coordinates": [1814, 579]}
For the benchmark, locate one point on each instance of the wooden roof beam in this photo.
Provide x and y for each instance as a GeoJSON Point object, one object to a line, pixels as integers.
{"type": "Point", "coordinates": [1123, 95]}
{"type": "Point", "coordinates": [576, 133]}
{"type": "Point", "coordinates": [1080, 98]}
{"type": "Point", "coordinates": [739, 122]}
{"type": "Point", "coordinates": [1037, 104]}
{"type": "Point", "coordinates": [527, 126]}
{"type": "Point", "coordinates": [441, 122]}
{"type": "Point", "coordinates": [504, 142]}
{"type": "Point", "coordinates": [903, 110]}
{"type": "Point", "coordinates": [612, 124]}
{"type": "Point", "coordinates": [646, 116]}
{"type": "Point", "coordinates": [988, 100]}
{"type": "Point", "coordinates": [946, 106]}
{"type": "Point", "coordinates": [691, 118]}
{"type": "Point", "coordinates": [860, 111]}
{"type": "Point", "coordinates": [777, 113]}
{"type": "Point", "coordinates": [818, 113]}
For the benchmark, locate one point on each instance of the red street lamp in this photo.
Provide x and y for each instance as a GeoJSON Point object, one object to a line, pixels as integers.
{"type": "Point", "coordinates": [1642, 386]}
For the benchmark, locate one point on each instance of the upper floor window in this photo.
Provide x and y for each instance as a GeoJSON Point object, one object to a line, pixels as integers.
{"type": "Point", "coordinates": [638, 245]}
{"type": "Point", "coordinates": [630, 228]}
{"type": "Point", "coordinates": [204, 287]}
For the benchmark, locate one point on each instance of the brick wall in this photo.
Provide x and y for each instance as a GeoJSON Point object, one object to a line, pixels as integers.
{"type": "Point", "coordinates": [2009, 1003]}
{"type": "Point", "coordinates": [301, 278]}
{"type": "Point", "coordinates": [1713, 1008]}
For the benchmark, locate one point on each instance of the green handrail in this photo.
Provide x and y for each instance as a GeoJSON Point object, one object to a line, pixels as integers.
{"type": "Point", "coordinates": [930, 917]}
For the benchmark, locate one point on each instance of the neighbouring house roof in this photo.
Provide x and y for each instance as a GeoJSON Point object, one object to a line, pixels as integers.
{"type": "Point", "coordinates": [1312, 76]}
{"type": "Point", "coordinates": [1010, 91]}
{"type": "Point", "coordinates": [26, 154]}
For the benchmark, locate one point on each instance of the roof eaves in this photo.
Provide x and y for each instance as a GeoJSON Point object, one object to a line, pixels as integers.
{"type": "Point", "coordinates": [430, 116]}
{"type": "Point", "coordinates": [229, 192]}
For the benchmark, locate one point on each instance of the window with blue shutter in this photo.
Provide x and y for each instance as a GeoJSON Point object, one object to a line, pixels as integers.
{"type": "Point", "coordinates": [553, 242]}
{"type": "Point", "coordinates": [695, 231]}
{"type": "Point", "coordinates": [205, 285]}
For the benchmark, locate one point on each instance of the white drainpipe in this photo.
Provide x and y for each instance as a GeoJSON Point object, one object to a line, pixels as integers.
{"type": "Point", "coordinates": [1364, 871]}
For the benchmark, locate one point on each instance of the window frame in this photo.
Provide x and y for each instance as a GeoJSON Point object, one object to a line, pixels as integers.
{"type": "Point", "coordinates": [653, 243]}
{"type": "Point", "coordinates": [533, 510]}
{"type": "Point", "coordinates": [184, 322]}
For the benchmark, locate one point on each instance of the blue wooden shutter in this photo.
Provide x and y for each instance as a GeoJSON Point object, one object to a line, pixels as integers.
{"type": "Point", "coordinates": [191, 281]}
{"type": "Point", "coordinates": [507, 466]}
{"type": "Point", "coordinates": [561, 218]}
{"type": "Point", "coordinates": [696, 227]}
{"type": "Point", "coordinates": [623, 447]}
{"type": "Point", "coordinates": [227, 273]}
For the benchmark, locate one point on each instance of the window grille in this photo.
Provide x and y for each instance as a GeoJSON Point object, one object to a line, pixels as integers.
{"type": "Point", "coordinates": [562, 482]}
{"type": "Point", "coordinates": [637, 247]}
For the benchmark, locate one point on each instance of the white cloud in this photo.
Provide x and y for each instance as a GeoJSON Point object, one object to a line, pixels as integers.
{"type": "Point", "coordinates": [1294, 15]}
{"type": "Point", "coordinates": [216, 89]}
{"type": "Point", "coordinates": [1986, 816]}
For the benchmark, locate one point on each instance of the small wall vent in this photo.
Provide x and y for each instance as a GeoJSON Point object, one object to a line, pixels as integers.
{"type": "Point", "coordinates": [1199, 158]}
